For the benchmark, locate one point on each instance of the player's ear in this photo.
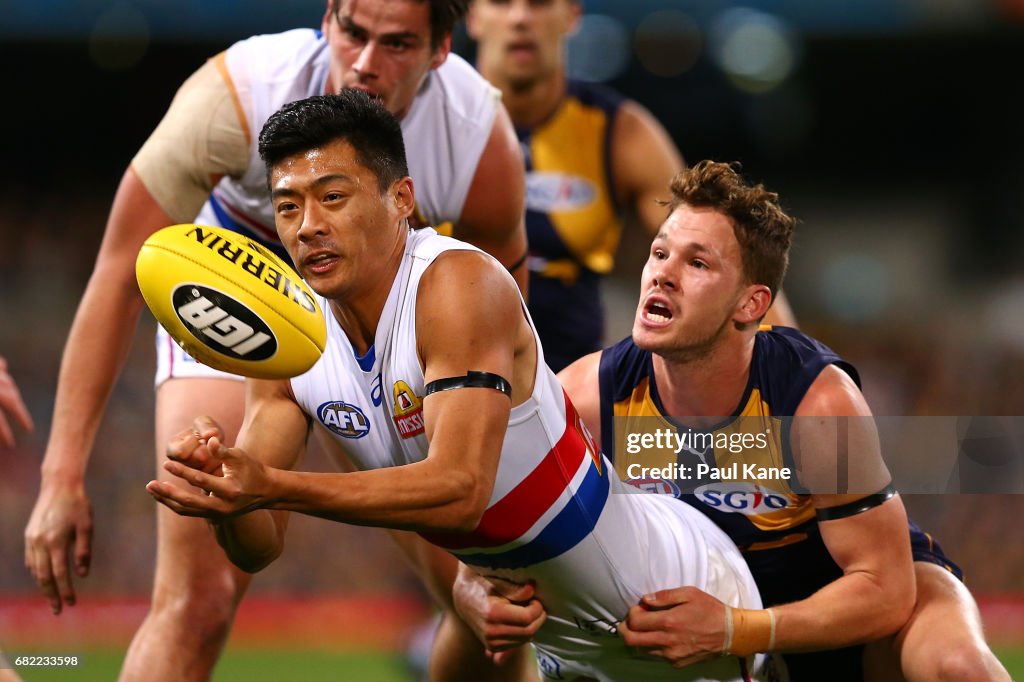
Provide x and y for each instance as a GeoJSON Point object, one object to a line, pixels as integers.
{"type": "Point", "coordinates": [753, 303]}
{"type": "Point", "coordinates": [403, 195]}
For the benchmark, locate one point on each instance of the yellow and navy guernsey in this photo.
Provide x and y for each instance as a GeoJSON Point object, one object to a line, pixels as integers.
{"type": "Point", "coordinates": [773, 522]}
{"type": "Point", "coordinates": [756, 514]}
{"type": "Point", "coordinates": [572, 219]}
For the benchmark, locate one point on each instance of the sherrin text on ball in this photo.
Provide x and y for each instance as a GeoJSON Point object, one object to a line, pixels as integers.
{"type": "Point", "coordinates": [230, 302]}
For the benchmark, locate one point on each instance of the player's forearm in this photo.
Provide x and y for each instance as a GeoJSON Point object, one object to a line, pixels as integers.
{"type": "Point", "coordinates": [436, 567]}
{"type": "Point", "coordinates": [252, 541]}
{"type": "Point", "coordinates": [418, 497]}
{"type": "Point", "coordinates": [94, 355]}
{"type": "Point", "coordinates": [854, 609]}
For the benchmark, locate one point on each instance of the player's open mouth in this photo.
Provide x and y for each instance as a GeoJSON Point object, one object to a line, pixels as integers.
{"type": "Point", "coordinates": [319, 263]}
{"type": "Point", "coordinates": [657, 313]}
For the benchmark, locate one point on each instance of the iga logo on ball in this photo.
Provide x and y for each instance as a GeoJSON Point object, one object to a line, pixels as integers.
{"type": "Point", "coordinates": [230, 302]}
{"type": "Point", "coordinates": [230, 327]}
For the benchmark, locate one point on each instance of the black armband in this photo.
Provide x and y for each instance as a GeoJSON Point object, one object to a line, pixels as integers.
{"type": "Point", "coordinates": [471, 380]}
{"type": "Point", "coordinates": [860, 506]}
{"type": "Point", "coordinates": [522, 259]}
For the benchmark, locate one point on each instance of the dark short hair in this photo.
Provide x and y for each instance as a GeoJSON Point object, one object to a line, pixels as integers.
{"type": "Point", "coordinates": [444, 14]}
{"type": "Point", "coordinates": [763, 230]}
{"type": "Point", "coordinates": [352, 116]}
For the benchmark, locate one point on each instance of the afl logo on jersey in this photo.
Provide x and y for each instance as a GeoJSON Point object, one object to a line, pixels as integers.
{"type": "Point", "coordinates": [348, 421]}
{"type": "Point", "coordinates": [223, 323]}
{"type": "Point", "coordinates": [748, 499]}
{"type": "Point", "coordinates": [547, 192]}
{"type": "Point", "coordinates": [655, 485]}
{"type": "Point", "coordinates": [408, 411]}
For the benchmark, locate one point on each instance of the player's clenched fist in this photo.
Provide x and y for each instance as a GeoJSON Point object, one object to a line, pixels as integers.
{"type": "Point", "coordinates": [502, 615]}
{"type": "Point", "coordinates": [191, 446]}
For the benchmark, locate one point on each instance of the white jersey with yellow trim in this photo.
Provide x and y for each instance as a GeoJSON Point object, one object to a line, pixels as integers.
{"type": "Point", "coordinates": [558, 515]}
{"type": "Point", "coordinates": [445, 132]}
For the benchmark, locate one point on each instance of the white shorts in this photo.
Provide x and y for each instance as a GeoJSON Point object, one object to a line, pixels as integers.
{"type": "Point", "coordinates": [640, 543]}
{"type": "Point", "coordinates": [173, 362]}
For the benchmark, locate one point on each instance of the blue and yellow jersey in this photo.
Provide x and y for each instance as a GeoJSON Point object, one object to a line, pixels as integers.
{"type": "Point", "coordinates": [572, 220]}
{"type": "Point", "coordinates": [772, 521]}
{"type": "Point", "coordinates": [756, 510]}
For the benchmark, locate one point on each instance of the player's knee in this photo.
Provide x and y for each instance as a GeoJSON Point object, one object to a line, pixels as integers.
{"type": "Point", "coordinates": [967, 663]}
{"type": "Point", "coordinates": [208, 607]}
{"type": "Point", "coordinates": [206, 620]}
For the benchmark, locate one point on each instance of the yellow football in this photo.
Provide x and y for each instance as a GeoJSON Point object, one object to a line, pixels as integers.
{"type": "Point", "coordinates": [230, 302]}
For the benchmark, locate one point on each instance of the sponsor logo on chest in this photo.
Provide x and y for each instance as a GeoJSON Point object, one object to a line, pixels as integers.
{"type": "Point", "coordinates": [748, 499]}
{"type": "Point", "coordinates": [547, 192]}
{"type": "Point", "coordinates": [408, 411]}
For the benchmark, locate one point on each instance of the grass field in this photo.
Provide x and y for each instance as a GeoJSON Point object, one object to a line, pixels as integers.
{"type": "Point", "coordinates": [294, 665]}
{"type": "Point", "coordinates": [1013, 659]}
{"type": "Point", "coordinates": [296, 639]}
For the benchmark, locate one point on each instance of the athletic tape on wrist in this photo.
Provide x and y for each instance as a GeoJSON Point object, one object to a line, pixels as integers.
{"type": "Point", "coordinates": [748, 631]}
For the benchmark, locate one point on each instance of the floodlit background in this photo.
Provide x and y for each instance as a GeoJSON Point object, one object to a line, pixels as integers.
{"type": "Point", "coordinates": [891, 128]}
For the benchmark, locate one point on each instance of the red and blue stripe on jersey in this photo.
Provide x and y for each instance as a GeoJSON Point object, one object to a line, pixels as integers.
{"type": "Point", "coordinates": [569, 487]}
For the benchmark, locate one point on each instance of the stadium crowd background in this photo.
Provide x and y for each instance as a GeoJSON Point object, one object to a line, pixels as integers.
{"type": "Point", "coordinates": [891, 128]}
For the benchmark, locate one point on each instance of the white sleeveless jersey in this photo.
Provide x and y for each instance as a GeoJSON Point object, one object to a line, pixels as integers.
{"type": "Point", "coordinates": [558, 515]}
{"type": "Point", "coordinates": [445, 130]}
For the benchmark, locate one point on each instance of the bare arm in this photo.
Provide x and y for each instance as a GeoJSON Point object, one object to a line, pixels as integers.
{"type": "Point", "coordinates": [447, 491]}
{"type": "Point", "coordinates": [644, 159]}
{"type": "Point", "coordinates": [101, 334]}
{"type": "Point", "coordinates": [94, 354]}
{"type": "Point", "coordinates": [873, 597]}
{"type": "Point", "coordinates": [183, 158]}
{"type": "Point", "coordinates": [494, 212]}
{"type": "Point", "coordinates": [875, 594]}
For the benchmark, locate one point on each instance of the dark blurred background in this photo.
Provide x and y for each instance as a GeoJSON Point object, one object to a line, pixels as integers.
{"type": "Point", "coordinates": [891, 128]}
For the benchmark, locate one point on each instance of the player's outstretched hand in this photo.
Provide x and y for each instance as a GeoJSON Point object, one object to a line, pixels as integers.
{"type": "Point", "coordinates": [501, 614]}
{"type": "Point", "coordinates": [11, 405]}
{"type": "Point", "coordinates": [683, 626]}
{"type": "Point", "coordinates": [237, 485]}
